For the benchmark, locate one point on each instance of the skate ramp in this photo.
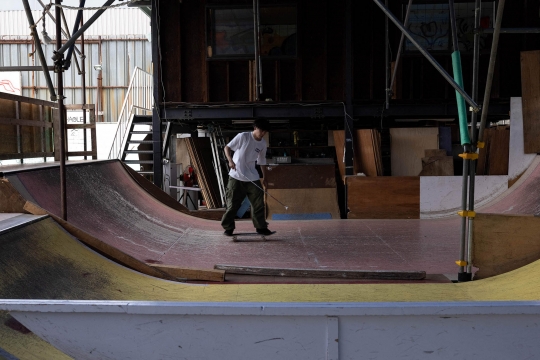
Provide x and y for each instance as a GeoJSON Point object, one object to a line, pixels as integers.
{"type": "Point", "coordinates": [522, 198]}
{"type": "Point", "coordinates": [105, 202]}
{"type": "Point", "coordinates": [42, 261]}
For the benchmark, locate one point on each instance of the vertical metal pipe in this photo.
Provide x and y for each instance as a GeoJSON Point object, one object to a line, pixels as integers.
{"type": "Point", "coordinates": [256, 50]}
{"type": "Point", "coordinates": [62, 114]}
{"type": "Point", "coordinates": [474, 133]}
{"type": "Point", "coordinates": [259, 60]}
{"type": "Point", "coordinates": [400, 47]}
{"type": "Point", "coordinates": [39, 50]}
{"type": "Point", "coordinates": [491, 68]}
{"type": "Point", "coordinates": [464, 184]}
{"type": "Point", "coordinates": [387, 60]}
{"type": "Point", "coordinates": [100, 85]}
{"type": "Point", "coordinates": [83, 83]}
{"type": "Point", "coordinates": [453, 24]}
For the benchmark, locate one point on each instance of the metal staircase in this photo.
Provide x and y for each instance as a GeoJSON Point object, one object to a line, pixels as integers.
{"type": "Point", "coordinates": [133, 140]}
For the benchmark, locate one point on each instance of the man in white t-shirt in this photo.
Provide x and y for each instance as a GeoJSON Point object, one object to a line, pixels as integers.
{"type": "Point", "coordinates": [249, 149]}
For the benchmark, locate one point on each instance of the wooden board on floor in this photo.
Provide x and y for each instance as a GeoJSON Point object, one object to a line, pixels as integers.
{"type": "Point", "coordinates": [303, 201]}
{"type": "Point", "coordinates": [383, 197]}
{"type": "Point", "coordinates": [190, 273]}
{"type": "Point", "coordinates": [530, 90]}
{"type": "Point", "coordinates": [503, 243]}
{"type": "Point", "coordinates": [408, 146]}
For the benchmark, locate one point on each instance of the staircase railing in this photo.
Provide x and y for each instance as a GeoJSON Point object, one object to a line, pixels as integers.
{"type": "Point", "coordinates": [138, 101]}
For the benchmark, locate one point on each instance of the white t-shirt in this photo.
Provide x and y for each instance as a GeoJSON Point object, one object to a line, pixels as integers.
{"type": "Point", "coordinates": [247, 151]}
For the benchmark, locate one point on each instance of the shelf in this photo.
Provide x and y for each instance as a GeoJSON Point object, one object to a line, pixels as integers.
{"type": "Point", "coordinates": [300, 147]}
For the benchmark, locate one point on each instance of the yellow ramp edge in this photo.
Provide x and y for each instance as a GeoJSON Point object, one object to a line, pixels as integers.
{"type": "Point", "coordinates": [44, 262]}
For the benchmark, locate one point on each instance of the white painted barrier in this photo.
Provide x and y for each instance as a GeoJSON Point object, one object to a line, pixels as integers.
{"type": "Point", "coordinates": [172, 330]}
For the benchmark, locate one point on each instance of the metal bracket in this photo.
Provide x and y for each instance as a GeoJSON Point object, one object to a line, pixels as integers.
{"type": "Point", "coordinates": [469, 156]}
{"type": "Point", "coordinates": [318, 113]}
{"type": "Point", "coordinates": [467, 213]}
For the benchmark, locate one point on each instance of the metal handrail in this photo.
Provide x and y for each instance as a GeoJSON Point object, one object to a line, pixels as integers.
{"type": "Point", "coordinates": [138, 101]}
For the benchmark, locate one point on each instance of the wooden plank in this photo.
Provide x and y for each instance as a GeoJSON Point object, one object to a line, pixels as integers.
{"type": "Point", "coordinates": [365, 154]}
{"type": "Point", "coordinates": [301, 176]}
{"type": "Point", "coordinates": [28, 100]}
{"type": "Point", "coordinates": [303, 201]}
{"type": "Point", "coordinates": [319, 273]}
{"type": "Point", "coordinates": [110, 251]}
{"type": "Point", "coordinates": [383, 197]}
{"type": "Point", "coordinates": [11, 156]}
{"type": "Point", "coordinates": [437, 166]}
{"type": "Point", "coordinates": [190, 273]}
{"type": "Point", "coordinates": [408, 146]}
{"type": "Point", "coordinates": [499, 151]}
{"type": "Point", "coordinates": [339, 143]}
{"type": "Point", "coordinates": [530, 90]}
{"type": "Point", "coordinates": [503, 243]}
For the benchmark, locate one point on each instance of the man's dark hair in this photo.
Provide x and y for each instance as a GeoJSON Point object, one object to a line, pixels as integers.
{"type": "Point", "coordinates": [262, 124]}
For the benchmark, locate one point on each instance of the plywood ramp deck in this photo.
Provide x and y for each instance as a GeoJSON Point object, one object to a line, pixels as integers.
{"type": "Point", "coordinates": [105, 202]}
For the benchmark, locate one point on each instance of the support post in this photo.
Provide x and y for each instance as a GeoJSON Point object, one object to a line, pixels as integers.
{"type": "Point", "coordinates": [39, 50]}
{"type": "Point", "coordinates": [83, 83]}
{"type": "Point", "coordinates": [61, 115]}
{"type": "Point", "coordinates": [474, 133]}
{"type": "Point", "coordinates": [400, 47]}
{"type": "Point", "coordinates": [156, 111]}
{"type": "Point", "coordinates": [59, 53]}
{"type": "Point", "coordinates": [386, 61]}
{"type": "Point", "coordinates": [491, 69]}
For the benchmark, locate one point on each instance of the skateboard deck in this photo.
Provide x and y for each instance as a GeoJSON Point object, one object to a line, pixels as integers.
{"type": "Point", "coordinates": [254, 234]}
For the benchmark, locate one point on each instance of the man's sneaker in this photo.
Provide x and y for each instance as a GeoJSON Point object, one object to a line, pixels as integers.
{"type": "Point", "coordinates": [228, 232]}
{"type": "Point", "coordinates": [264, 232]}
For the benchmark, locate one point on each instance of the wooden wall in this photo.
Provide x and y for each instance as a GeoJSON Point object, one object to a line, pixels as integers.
{"type": "Point", "coordinates": [318, 72]}
{"type": "Point", "coordinates": [25, 128]}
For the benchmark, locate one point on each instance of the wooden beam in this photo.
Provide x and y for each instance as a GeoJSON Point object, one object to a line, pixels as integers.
{"type": "Point", "coordinates": [316, 273]}
{"type": "Point", "coordinates": [22, 122]}
{"type": "Point", "coordinates": [190, 273]}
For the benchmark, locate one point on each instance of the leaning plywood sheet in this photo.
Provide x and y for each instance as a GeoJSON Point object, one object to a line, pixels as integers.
{"type": "Point", "coordinates": [408, 146]}
{"type": "Point", "coordinates": [503, 243]}
{"type": "Point", "coordinates": [10, 199]}
{"type": "Point", "coordinates": [383, 197]}
{"type": "Point", "coordinates": [301, 176]}
{"type": "Point", "coordinates": [530, 89]}
{"type": "Point", "coordinates": [303, 201]}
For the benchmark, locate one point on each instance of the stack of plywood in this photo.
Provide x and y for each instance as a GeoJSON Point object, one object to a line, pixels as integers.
{"type": "Point", "coordinates": [367, 156]}
{"type": "Point", "coordinates": [408, 147]}
{"type": "Point", "coordinates": [308, 190]}
{"type": "Point", "coordinates": [383, 197]}
{"type": "Point", "coordinates": [200, 152]}
{"type": "Point", "coordinates": [530, 89]}
{"type": "Point", "coordinates": [493, 158]}
{"type": "Point", "coordinates": [437, 163]}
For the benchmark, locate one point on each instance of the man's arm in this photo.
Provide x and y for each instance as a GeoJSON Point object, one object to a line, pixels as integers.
{"type": "Point", "coordinates": [232, 165]}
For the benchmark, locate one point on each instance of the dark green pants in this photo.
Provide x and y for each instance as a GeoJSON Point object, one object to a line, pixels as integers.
{"type": "Point", "coordinates": [236, 192]}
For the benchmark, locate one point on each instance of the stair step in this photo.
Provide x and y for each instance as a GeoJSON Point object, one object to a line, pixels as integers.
{"type": "Point", "coordinates": [146, 172]}
{"type": "Point", "coordinates": [139, 151]}
{"type": "Point", "coordinates": [138, 161]}
{"type": "Point", "coordinates": [140, 142]}
{"type": "Point", "coordinates": [140, 132]}
{"type": "Point", "coordinates": [142, 122]}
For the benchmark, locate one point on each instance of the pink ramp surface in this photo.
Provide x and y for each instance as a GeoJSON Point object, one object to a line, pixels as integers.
{"type": "Point", "coordinates": [523, 198]}
{"type": "Point", "coordinates": [106, 202]}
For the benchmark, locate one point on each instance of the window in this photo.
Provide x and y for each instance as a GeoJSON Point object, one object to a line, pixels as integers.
{"type": "Point", "coordinates": [430, 24]}
{"type": "Point", "coordinates": [230, 32]}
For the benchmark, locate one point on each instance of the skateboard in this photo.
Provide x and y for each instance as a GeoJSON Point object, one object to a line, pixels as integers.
{"type": "Point", "coordinates": [263, 237]}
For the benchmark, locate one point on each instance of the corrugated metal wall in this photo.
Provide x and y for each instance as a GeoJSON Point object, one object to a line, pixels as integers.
{"type": "Point", "coordinates": [112, 22]}
{"type": "Point", "coordinates": [120, 35]}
